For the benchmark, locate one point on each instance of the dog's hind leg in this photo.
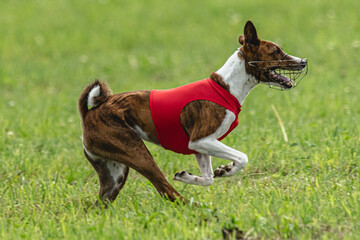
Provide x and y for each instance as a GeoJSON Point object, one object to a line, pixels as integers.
{"type": "Point", "coordinates": [112, 176]}
{"type": "Point", "coordinates": [125, 148]}
{"type": "Point", "coordinates": [143, 162]}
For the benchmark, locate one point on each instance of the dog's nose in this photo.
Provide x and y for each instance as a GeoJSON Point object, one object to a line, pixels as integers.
{"type": "Point", "coordinates": [304, 61]}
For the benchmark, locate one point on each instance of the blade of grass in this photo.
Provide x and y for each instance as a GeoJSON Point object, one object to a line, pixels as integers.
{"type": "Point", "coordinates": [280, 123]}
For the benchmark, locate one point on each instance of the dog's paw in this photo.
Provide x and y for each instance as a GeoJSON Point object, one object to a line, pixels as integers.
{"type": "Point", "coordinates": [182, 175]}
{"type": "Point", "coordinates": [188, 178]}
{"type": "Point", "coordinates": [225, 171]}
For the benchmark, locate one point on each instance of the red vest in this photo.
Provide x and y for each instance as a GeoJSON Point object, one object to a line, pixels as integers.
{"type": "Point", "coordinates": [166, 106]}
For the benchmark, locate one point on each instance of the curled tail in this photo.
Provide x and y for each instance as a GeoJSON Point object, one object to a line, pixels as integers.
{"type": "Point", "coordinates": [93, 95]}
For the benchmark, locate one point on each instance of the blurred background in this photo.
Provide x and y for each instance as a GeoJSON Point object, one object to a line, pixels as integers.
{"type": "Point", "coordinates": [50, 50]}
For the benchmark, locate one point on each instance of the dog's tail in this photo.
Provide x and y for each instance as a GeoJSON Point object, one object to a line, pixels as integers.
{"type": "Point", "coordinates": [93, 95]}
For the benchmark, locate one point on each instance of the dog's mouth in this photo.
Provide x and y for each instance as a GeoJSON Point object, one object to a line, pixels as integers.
{"type": "Point", "coordinates": [279, 77]}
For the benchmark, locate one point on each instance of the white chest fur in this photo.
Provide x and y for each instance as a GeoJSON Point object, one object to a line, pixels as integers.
{"type": "Point", "coordinates": [234, 74]}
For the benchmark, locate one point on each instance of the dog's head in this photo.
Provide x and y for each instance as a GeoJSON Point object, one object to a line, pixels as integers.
{"type": "Point", "coordinates": [267, 62]}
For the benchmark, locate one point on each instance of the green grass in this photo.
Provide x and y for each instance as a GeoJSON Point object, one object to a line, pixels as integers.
{"type": "Point", "coordinates": [50, 50]}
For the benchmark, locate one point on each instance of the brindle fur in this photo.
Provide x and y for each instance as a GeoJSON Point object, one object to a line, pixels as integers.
{"type": "Point", "coordinates": [195, 116]}
{"type": "Point", "coordinates": [219, 80]}
{"type": "Point", "coordinates": [108, 134]}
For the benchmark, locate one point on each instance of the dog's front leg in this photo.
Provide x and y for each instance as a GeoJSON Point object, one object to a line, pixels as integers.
{"type": "Point", "coordinates": [206, 179]}
{"type": "Point", "coordinates": [212, 146]}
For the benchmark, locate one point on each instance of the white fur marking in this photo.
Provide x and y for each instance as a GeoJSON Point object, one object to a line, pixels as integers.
{"type": "Point", "coordinates": [92, 156]}
{"type": "Point", "coordinates": [95, 92]}
{"type": "Point", "coordinates": [142, 134]}
{"type": "Point", "coordinates": [234, 74]}
{"type": "Point", "coordinates": [117, 170]}
{"type": "Point", "coordinates": [225, 125]}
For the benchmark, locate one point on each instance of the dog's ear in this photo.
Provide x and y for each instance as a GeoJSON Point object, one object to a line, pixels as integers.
{"type": "Point", "coordinates": [241, 39]}
{"type": "Point", "coordinates": [251, 36]}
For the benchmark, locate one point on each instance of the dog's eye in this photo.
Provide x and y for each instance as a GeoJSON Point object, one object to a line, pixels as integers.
{"type": "Point", "coordinates": [277, 51]}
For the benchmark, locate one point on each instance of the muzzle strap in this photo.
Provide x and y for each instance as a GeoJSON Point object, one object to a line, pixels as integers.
{"type": "Point", "coordinates": [284, 56]}
{"type": "Point", "coordinates": [242, 54]}
{"type": "Point", "coordinates": [254, 70]}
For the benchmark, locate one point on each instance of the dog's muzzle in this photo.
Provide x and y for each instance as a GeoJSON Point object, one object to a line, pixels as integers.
{"type": "Point", "coordinates": [282, 74]}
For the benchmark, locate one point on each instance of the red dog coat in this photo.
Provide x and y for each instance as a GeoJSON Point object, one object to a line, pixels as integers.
{"type": "Point", "coordinates": [166, 106]}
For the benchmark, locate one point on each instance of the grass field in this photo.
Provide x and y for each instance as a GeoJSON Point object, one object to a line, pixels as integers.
{"type": "Point", "coordinates": [307, 188]}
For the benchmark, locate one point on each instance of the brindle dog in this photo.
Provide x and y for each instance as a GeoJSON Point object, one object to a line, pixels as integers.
{"type": "Point", "coordinates": [113, 129]}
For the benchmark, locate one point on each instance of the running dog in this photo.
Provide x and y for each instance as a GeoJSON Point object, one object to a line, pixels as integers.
{"type": "Point", "coordinates": [191, 119]}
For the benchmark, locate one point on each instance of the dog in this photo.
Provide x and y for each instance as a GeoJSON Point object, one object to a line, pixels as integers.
{"type": "Point", "coordinates": [115, 125]}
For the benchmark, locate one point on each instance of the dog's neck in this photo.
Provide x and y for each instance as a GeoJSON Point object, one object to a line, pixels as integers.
{"type": "Point", "coordinates": [234, 74]}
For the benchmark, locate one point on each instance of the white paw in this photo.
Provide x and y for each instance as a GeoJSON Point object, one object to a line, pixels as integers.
{"type": "Point", "coordinates": [192, 179]}
{"type": "Point", "coordinates": [183, 176]}
{"type": "Point", "coordinates": [226, 171]}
